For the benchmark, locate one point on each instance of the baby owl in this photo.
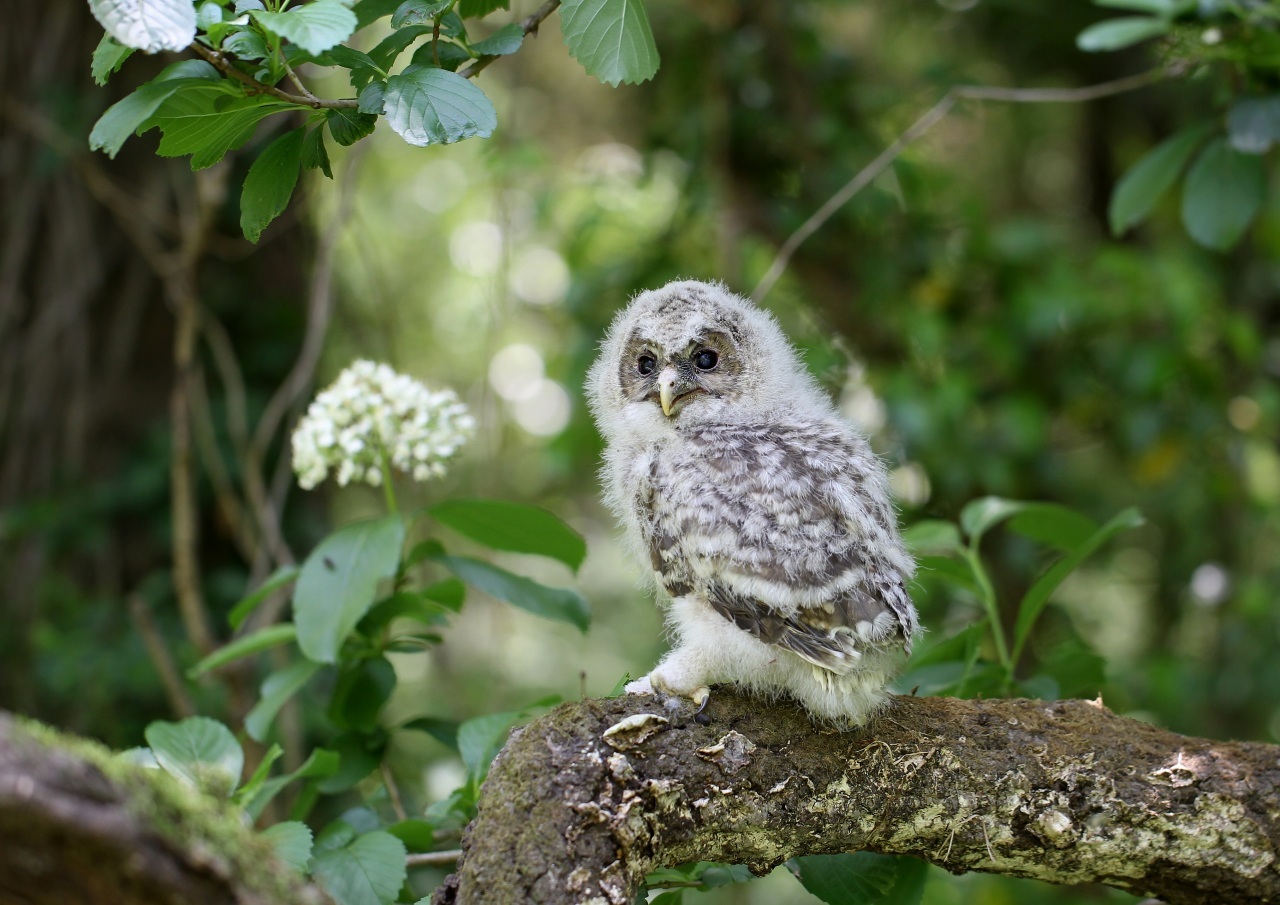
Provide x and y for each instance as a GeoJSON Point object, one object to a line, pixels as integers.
{"type": "Point", "coordinates": [764, 515]}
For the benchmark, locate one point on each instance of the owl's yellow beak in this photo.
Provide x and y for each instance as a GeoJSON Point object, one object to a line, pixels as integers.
{"type": "Point", "coordinates": [667, 382]}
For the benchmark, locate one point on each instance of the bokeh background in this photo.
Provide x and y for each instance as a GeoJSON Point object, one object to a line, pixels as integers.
{"type": "Point", "coordinates": [969, 309]}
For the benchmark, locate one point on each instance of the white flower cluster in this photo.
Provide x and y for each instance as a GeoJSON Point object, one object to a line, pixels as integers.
{"type": "Point", "coordinates": [371, 416]}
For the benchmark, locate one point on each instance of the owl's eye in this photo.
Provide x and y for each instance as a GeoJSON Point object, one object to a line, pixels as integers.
{"type": "Point", "coordinates": [705, 360]}
{"type": "Point", "coordinates": [645, 365]}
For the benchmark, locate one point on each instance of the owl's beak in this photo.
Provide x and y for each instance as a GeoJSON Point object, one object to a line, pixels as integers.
{"type": "Point", "coordinates": [668, 383]}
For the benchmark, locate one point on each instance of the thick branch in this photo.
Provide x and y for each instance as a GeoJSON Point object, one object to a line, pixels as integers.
{"type": "Point", "coordinates": [579, 807]}
{"type": "Point", "coordinates": [77, 824]}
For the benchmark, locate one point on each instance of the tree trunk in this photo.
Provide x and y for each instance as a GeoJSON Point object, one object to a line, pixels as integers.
{"type": "Point", "coordinates": [80, 825]}
{"type": "Point", "coordinates": [586, 801]}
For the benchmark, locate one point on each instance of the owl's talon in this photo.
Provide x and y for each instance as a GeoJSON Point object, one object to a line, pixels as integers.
{"type": "Point", "coordinates": [700, 696]}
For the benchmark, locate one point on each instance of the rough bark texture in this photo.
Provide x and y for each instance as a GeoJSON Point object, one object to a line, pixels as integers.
{"type": "Point", "coordinates": [79, 826]}
{"type": "Point", "coordinates": [584, 802]}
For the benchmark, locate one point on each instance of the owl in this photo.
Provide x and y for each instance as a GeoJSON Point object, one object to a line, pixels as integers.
{"type": "Point", "coordinates": [764, 516]}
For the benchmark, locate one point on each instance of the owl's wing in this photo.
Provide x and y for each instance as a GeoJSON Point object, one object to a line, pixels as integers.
{"type": "Point", "coordinates": [789, 534]}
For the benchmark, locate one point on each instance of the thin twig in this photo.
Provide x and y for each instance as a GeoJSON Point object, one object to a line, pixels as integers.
{"type": "Point", "coordinates": [223, 63]}
{"type": "Point", "coordinates": [926, 122]}
{"type": "Point", "coordinates": [174, 688]}
{"type": "Point", "coordinates": [393, 791]}
{"type": "Point", "coordinates": [297, 82]}
{"type": "Point", "coordinates": [433, 859]}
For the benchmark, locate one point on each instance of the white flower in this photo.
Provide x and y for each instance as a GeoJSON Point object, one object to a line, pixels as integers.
{"type": "Point", "coordinates": [372, 418]}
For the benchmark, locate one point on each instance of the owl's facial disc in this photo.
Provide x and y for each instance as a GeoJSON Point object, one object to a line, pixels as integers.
{"type": "Point", "coordinates": [673, 372]}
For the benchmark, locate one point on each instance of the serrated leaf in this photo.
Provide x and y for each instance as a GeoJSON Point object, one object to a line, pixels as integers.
{"type": "Point", "coordinates": [434, 106]}
{"type": "Point", "coordinates": [1143, 183]}
{"type": "Point", "coordinates": [270, 182]}
{"type": "Point", "coordinates": [932, 535]}
{"type": "Point", "coordinates": [198, 750]}
{"type": "Point", "coordinates": [514, 527]}
{"type": "Point", "coordinates": [474, 9]}
{"type": "Point", "coordinates": [206, 123]}
{"type": "Point", "coordinates": [245, 646]}
{"type": "Point", "coordinates": [610, 38]}
{"type": "Point", "coordinates": [561, 604]}
{"type": "Point", "coordinates": [368, 870]}
{"type": "Point", "coordinates": [481, 738]}
{"type": "Point", "coordinates": [349, 126]}
{"type": "Point", "coordinates": [314, 154]}
{"type": "Point", "coordinates": [1253, 124]}
{"type": "Point", "coordinates": [315, 26]}
{"type": "Point", "coordinates": [505, 40]}
{"type": "Point", "coordinates": [108, 57]}
{"type": "Point", "coordinates": [277, 689]}
{"type": "Point", "coordinates": [1033, 602]}
{"type": "Point", "coordinates": [292, 842]}
{"type": "Point", "coordinates": [123, 118]}
{"type": "Point", "coordinates": [147, 25]}
{"type": "Point", "coordinates": [1223, 192]}
{"type": "Point", "coordinates": [339, 580]}
{"type": "Point", "coordinates": [418, 12]}
{"type": "Point", "coordinates": [978, 516]}
{"type": "Point", "coordinates": [371, 97]}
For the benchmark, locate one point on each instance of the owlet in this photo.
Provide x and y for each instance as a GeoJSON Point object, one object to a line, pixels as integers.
{"type": "Point", "coordinates": [764, 515]}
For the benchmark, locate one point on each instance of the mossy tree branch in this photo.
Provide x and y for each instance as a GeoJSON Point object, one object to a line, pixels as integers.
{"type": "Point", "coordinates": [78, 824]}
{"type": "Point", "coordinates": [584, 802]}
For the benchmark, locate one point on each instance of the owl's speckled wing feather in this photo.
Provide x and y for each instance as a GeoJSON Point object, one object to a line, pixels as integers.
{"type": "Point", "coordinates": [773, 526]}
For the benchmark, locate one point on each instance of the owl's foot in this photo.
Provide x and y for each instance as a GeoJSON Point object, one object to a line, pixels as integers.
{"type": "Point", "coordinates": [670, 680]}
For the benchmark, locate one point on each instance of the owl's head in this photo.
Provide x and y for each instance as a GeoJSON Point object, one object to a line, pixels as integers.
{"type": "Point", "coordinates": [693, 352]}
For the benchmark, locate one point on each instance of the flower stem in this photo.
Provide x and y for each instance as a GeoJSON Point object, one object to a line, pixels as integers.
{"type": "Point", "coordinates": [388, 482]}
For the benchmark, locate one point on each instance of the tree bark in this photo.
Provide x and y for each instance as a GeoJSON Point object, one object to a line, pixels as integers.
{"type": "Point", "coordinates": [584, 802]}
{"type": "Point", "coordinates": [79, 825]}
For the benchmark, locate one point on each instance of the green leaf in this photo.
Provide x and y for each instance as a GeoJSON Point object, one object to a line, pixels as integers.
{"type": "Point", "coordinates": [260, 775]}
{"type": "Point", "coordinates": [514, 527]}
{"type": "Point", "coordinates": [956, 571]}
{"type": "Point", "coordinates": [978, 516]}
{"type": "Point", "coordinates": [1054, 525]}
{"type": "Point", "coordinates": [481, 738]}
{"type": "Point", "coordinates": [441, 55]}
{"type": "Point", "coordinates": [314, 154]}
{"type": "Point", "coordinates": [206, 122]}
{"type": "Point", "coordinates": [292, 842]}
{"type": "Point", "coordinates": [368, 11]}
{"type": "Point", "coordinates": [360, 693]}
{"type": "Point", "coordinates": [123, 118]}
{"type": "Point", "coordinates": [277, 689]}
{"type": "Point", "coordinates": [932, 535]}
{"type": "Point", "coordinates": [246, 45]}
{"type": "Point", "coordinates": [1033, 602]}
{"type": "Point", "coordinates": [371, 98]}
{"type": "Point", "coordinates": [442, 730]}
{"type": "Point", "coordinates": [245, 646]}
{"type": "Point", "coordinates": [1113, 34]}
{"type": "Point", "coordinates": [1166, 8]}
{"type": "Point", "coordinates": [270, 182]}
{"type": "Point", "coordinates": [475, 9]}
{"type": "Point", "coordinates": [505, 40]}
{"type": "Point", "coordinates": [108, 57]}
{"type": "Point", "coordinates": [417, 835]}
{"type": "Point", "coordinates": [349, 126]}
{"type": "Point", "coordinates": [554, 603]}
{"type": "Point", "coordinates": [394, 44]}
{"type": "Point", "coordinates": [1143, 183]}
{"type": "Point", "coordinates": [1223, 191]}
{"type": "Point", "coordinates": [434, 106]}
{"type": "Point", "coordinates": [418, 12]}
{"type": "Point", "coordinates": [360, 754]}
{"type": "Point", "coordinates": [368, 870]}
{"type": "Point", "coordinates": [198, 750]}
{"type": "Point", "coordinates": [315, 26]}
{"type": "Point", "coordinates": [861, 878]}
{"type": "Point", "coordinates": [1253, 124]}
{"type": "Point", "coordinates": [347, 58]}
{"type": "Point", "coordinates": [246, 605]}
{"type": "Point", "coordinates": [339, 580]}
{"type": "Point", "coordinates": [148, 25]}
{"type": "Point", "coordinates": [610, 38]}
{"type": "Point", "coordinates": [319, 764]}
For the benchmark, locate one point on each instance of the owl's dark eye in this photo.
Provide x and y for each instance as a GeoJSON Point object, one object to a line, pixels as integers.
{"type": "Point", "coordinates": [705, 360]}
{"type": "Point", "coordinates": [645, 365]}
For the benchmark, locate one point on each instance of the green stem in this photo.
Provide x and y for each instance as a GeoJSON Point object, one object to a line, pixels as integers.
{"type": "Point", "coordinates": [993, 611]}
{"type": "Point", "coordinates": [388, 482]}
